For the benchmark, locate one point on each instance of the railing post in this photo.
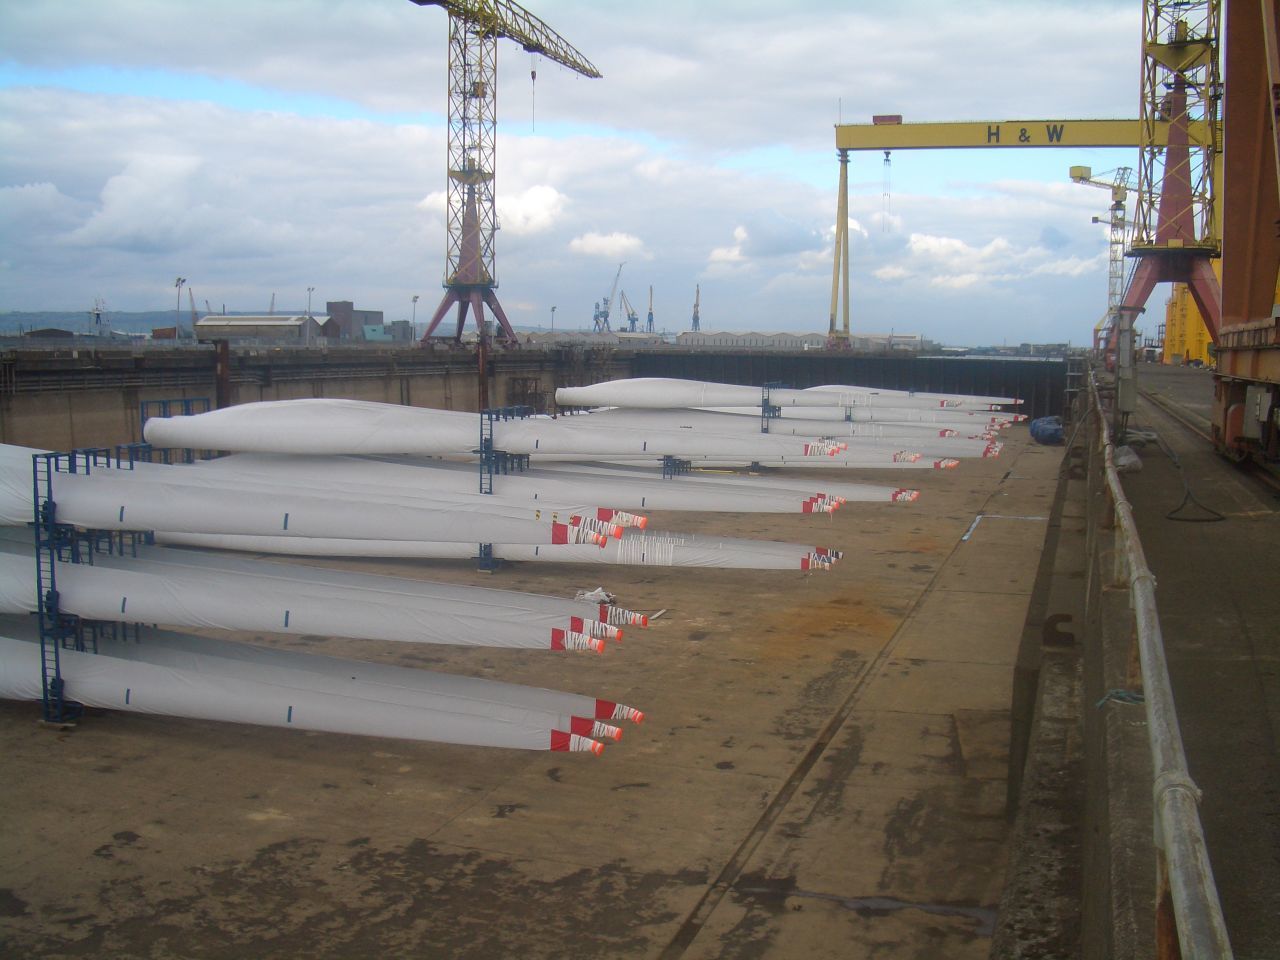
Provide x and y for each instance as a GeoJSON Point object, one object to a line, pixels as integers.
{"type": "Point", "coordinates": [1167, 945]}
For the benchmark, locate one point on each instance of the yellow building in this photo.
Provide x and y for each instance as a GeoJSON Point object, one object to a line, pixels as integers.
{"type": "Point", "coordinates": [1186, 338]}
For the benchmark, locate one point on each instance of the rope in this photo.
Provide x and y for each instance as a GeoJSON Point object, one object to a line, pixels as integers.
{"type": "Point", "coordinates": [1120, 696]}
{"type": "Point", "coordinates": [1188, 497]}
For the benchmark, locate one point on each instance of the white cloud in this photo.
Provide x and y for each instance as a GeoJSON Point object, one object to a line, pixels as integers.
{"type": "Point", "coordinates": [891, 273]}
{"type": "Point", "coordinates": [610, 245]}
{"type": "Point", "coordinates": [1073, 266]}
{"type": "Point", "coordinates": [731, 254]}
{"type": "Point", "coordinates": [534, 210]}
{"type": "Point", "coordinates": [436, 202]}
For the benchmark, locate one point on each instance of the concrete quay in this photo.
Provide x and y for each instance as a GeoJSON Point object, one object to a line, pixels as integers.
{"type": "Point", "coordinates": [1218, 591]}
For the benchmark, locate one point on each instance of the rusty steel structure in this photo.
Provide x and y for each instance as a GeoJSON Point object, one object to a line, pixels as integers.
{"type": "Point", "coordinates": [1175, 233]}
{"type": "Point", "coordinates": [1247, 342]}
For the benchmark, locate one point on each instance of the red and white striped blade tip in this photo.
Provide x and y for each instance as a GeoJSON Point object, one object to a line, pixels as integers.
{"type": "Point", "coordinates": [562, 742]}
{"type": "Point", "coordinates": [606, 731]}
{"type": "Point", "coordinates": [608, 710]}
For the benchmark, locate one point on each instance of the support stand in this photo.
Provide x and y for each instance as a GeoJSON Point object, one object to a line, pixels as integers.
{"type": "Point", "coordinates": [497, 461]}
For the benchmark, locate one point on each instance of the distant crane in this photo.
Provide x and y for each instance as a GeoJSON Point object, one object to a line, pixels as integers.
{"type": "Point", "coordinates": [475, 26]}
{"type": "Point", "coordinates": [600, 321]}
{"type": "Point", "coordinates": [207, 306]}
{"type": "Point", "coordinates": [101, 327]}
{"type": "Point", "coordinates": [633, 318]}
{"type": "Point", "coordinates": [271, 310]}
{"type": "Point", "coordinates": [648, 323]}
{"type": "Point", "coordinates": [697, 300]}
{"type": "Point", "coordinates": [192, 300]}
{"type": "Point", "coordinates": [177, 309]}
{"type": "Point", "coordinates": [1121, 182]}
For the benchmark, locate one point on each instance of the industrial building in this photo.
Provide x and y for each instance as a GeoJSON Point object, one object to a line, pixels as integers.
{"type": "Point", "coordinates": [294, 330]}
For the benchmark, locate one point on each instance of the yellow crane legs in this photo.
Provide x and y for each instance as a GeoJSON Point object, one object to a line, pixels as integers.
{"type": "Point", "coordinates": [839, 339]}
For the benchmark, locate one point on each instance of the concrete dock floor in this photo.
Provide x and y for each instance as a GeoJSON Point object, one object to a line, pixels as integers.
{"type": "Point", "coordinates": [1218, 592]}
{"type": "Point", "coordinates": [821, 773]}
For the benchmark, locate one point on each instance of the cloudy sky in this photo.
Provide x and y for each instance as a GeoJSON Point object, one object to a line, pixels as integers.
{"type": "Point", "coordinates": [260, 146]}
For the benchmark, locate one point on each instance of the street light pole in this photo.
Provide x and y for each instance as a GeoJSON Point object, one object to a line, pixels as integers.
{"type": "Point", "coordinates": [553, 319]}
{"type": "Point", "coordinates": [309, 289]}
{"type": "Point", "coordinates": [414, 321]}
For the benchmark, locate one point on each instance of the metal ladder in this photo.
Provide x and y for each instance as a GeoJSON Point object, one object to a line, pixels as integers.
{"type": "Point", "coordinates": [57, 542]}
{"type": "Point", "coordinates": [768, 411]}
{"type": "Point", "coordinates": [51, 541]}
{"type": "Point", "coordinates": [492, 461]}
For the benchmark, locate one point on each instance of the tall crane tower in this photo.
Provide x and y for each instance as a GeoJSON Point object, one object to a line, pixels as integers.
{"type": "Point", "coordinates": [648, 323]}
{"type": "Point", "coordinates": [1120, 184]}
{"type": "Point", "coordinates": [697, 301]}
{"type": "Point", "coordinates": [600, 320]}
{"type": "Point", "coordinates": [1175, 230]}
{"type": "Point", "coordinates": [475, 26]}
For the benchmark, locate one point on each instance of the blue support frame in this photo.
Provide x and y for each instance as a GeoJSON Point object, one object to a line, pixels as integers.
{"type": "Point", "coordinates": [673, 467]}
{"type": "Point", "coordinates": [177, 407]}
{"type": "Point", "coordinates": [498, 461]}
{"type": "Point", "coordinates": [768, 411]}
{"type": "Point", "coordinates": [57, 542]}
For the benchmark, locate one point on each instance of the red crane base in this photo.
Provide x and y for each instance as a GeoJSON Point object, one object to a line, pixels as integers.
{"type": "Point", "coordinates": [474, 296]}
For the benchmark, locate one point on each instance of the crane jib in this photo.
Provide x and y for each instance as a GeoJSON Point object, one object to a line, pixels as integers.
{"type": "Point", "coordinates": [505, 18]}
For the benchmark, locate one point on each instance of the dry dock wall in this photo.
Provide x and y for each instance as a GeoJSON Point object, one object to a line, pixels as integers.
{"type": "Point", "coordinates": [78, 396]}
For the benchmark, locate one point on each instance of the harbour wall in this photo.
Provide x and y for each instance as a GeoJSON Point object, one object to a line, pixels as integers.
{"type": "Point", "coordinates": [82, 396]}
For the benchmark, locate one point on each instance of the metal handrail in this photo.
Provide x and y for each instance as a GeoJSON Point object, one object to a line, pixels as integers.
{"type": "Point", "coordinates": [1185, 885]}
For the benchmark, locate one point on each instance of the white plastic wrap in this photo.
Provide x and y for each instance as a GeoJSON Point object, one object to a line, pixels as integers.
{"type": "Point", "coordinates": [860, 439]}
{"type": "Point", "coordinates": [654, 392]}
{"type": "Point", "coordinates": [358, 427]}
{"type": "Point", "coordinates": [545, 486]}
{"type": "Point", "coordinates": [182, 588]}
{"type": "Point", "coordinates": [634, 549]}
{"type": "Point", "coordinates": [180, 498]}
{"type": "Point", "coordinates": [206, 687]}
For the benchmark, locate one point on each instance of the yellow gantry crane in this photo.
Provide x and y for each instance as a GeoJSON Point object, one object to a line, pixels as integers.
{"type": "Point", "coordinates": [1181, 135]}
{"type": "Point", "coordinates": [888, 132]}
{"type": "Point", "coordinates": [475, 26]}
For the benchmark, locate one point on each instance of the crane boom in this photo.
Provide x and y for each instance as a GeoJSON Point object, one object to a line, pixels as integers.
{"type": "Point", "coordinates": [629, 311]}
{"type": "Point", "coordinates": [890, 133]}
{"type": "Point", "coordinates": [608, 304]}
{"type": "Point", "coordinates": [1121, 182]}
{"type": "Point", "coordinates": [605, 307]}
{"type": "Point", "coordinates": [505, 19]}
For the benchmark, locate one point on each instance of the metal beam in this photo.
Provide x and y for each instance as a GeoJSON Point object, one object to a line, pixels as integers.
{"type": "Point", "coordinates": [505, 18]}
{"type": "Point", "coordinates": [1005, 133]}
